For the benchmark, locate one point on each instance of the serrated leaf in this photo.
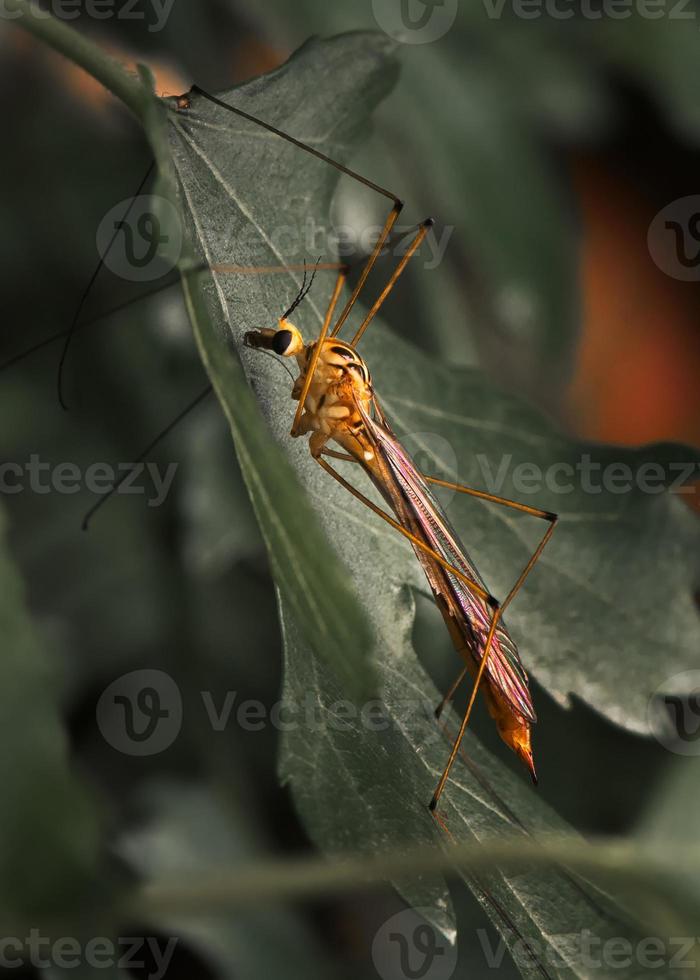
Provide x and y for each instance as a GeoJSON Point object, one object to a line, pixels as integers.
{"type": "Point", "coordinates": [588, 602]}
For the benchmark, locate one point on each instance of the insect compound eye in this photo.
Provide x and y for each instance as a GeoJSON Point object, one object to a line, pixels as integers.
{"type": "Point", "coordinates": [281, 341]}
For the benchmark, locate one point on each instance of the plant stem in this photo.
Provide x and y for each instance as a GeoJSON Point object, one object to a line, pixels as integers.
{"type": "Point", "coordinates": [68, 42]}
{"type": "Point", "coordinates": [302, 879]}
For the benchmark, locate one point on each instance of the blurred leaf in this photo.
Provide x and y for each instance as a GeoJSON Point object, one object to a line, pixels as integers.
{"type": "Point", "coordinates": [220, 528]}
{"type": "Point", "coordinates": [672, 817]}
{"type": "Point", "coordinates": [120, 563]}
{"type": "Point", "coordinates": [186, 829]}
{"type": "Point", "coordinates": [589, 599]}
{"type": "Point", "coordinates": [384, 767]}
{"type": "Point", "coordinates": [309, 574]}
{"type": "Point", "coordinates": [661, 55]}
{"type": "Point", "coordinates": [49, 840]}
{"type": "Point", "coordinates": [302, 562]}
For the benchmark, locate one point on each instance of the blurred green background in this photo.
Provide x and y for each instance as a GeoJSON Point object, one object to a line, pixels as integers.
{"type": "Point", "coordinates": [549, 146]}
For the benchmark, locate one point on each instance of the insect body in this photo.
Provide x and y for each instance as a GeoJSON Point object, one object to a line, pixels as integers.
{"type": "Point", "coordinates": [341, 382]}
{"type": "Point", "coordinates": [340, 406]}
{"type": "Point", "coordinates": [337, 405]}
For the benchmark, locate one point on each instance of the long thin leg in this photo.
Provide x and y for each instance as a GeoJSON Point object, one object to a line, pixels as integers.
{"type": "Point", "coordinates": [474, 586]}
{"type": "Point", "coordinates": [498, 613]}
{"type": "Point", "coordinates": [498, 608]}
{"type": "Point", "coordinates": [504, 502]}
{"type": "Point", "coordinates": [336, 455]}
{"type": "Point", "coordinates": [369, 264]}
{"type": "Point", "coordinates": [405, 259]}
{"type": "Point", "coordinates": [142, 455]}
{"type": "Point", "coordinates": [184, 104]}
{"type": "Point", "coordinates": [452, 691]}
{"type": "Point", "coordinates": [311, 368]}
{"type": "Point", "coordinates": [483, 495]}
{"type": "Point", "coordinates": [465, 721]}
{"type": "Point", "coordinates": [340, 282]}
{"type": "Point", "coordinates": [86, 291]}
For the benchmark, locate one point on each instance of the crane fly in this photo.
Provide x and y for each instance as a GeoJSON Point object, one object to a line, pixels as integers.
{"type": "Point", "coordinates": [337, 404]}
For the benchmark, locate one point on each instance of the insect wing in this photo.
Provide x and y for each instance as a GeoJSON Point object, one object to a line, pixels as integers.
{"type": "Point", "coordinates": [413, 500]}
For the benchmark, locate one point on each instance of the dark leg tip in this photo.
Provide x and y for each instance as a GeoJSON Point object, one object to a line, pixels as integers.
{"type": "Point", "coordinates": [432, 806]}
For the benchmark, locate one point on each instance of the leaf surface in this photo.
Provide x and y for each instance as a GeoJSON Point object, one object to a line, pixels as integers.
{"type": "Point", "coordinates": [585, 622]}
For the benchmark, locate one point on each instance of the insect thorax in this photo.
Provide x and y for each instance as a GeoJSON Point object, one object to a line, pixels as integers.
{"type": "Point", "coordinates": [341, 380]}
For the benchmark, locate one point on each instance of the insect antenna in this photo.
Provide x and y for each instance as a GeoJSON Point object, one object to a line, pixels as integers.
{"type": "Point", "coordinates": [142, 455]}
{"type": "Point", "coordinates": [304, 289]}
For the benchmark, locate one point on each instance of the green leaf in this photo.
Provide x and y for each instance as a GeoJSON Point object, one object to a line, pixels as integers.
{"type": "Point", "coordinates": [219, 524]}
{"type": "Point", "coordinates": [588, 621]}
{"type": "Point", "coordinates": [303, 564]}
{"type": "Point", "coordinates": [187, 830]}
{"type": "Point", "coordinates": [308, 571]}
{"type": "Point", "coordinates": [459, 133]}
{"type": "Point", "coordinates": [49, 840]}
{"type": "Point", "coordinates": [672, 816]}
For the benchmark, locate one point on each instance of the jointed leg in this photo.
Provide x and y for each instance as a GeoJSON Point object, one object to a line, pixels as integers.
{"type": "Point", "coordinates": [452, 691]}
{"type": "Point", "coordinates": [340, 282]}
{"type": "Point", "coordinates": [310, 370]}
{"type": "Point", "coordinates": [498, 608]}
{"type": "Point", "coordinates": [465, 721]}
{"type": "Point", "coordinates": [336, 455]}
{"type": "Point", "coordinates": [504, 502]}
{"type": "Point", "coordinates": [388, 225]}
{"type": "Point", "coordinates": [473, 586]}
{"type": "Point", "coordinates": [497, 615]}
{"type": "Point", "coordinates": [405, 259]}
